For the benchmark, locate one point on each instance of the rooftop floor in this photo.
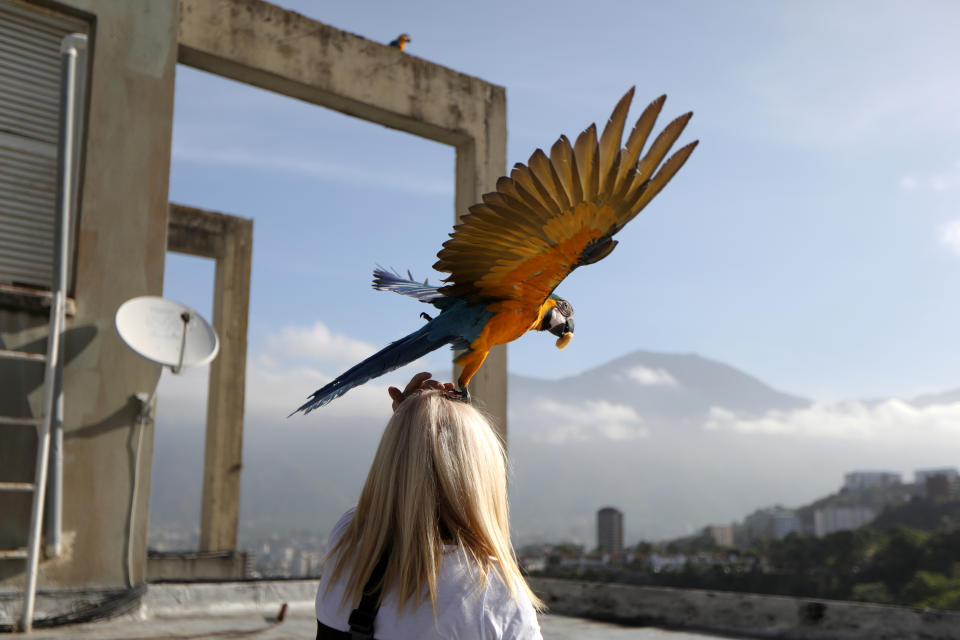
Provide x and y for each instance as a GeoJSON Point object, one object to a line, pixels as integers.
{"type": "Point", "coordinates": [172, 611]}
{"type": "Point", "coordinates": [301, 624]}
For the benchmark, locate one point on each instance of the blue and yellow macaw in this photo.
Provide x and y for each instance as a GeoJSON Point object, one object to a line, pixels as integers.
{"type": "Point", "coordinates": [400, 42]}
{"type": "Point", "coordinates": [509, 253]}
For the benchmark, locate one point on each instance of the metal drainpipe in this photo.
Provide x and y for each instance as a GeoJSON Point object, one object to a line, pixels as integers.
{"type": "Point", "coordinates": [71, 50]}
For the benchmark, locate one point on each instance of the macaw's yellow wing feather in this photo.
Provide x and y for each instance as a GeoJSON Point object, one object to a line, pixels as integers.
{"type": "Point", "coordinates": [558, 212]}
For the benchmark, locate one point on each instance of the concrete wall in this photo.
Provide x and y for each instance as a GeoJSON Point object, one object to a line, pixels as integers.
{"type": "Point", "coordinates": [122, 232]}
{"type": "Point", "coordinates": [743, 614]}
{"type": "Point", "coordinates": [223, 599]}
{"type": "Point", "coordinates": [120, 252]}
{"type": "Point", "coordinates": [210, 565]}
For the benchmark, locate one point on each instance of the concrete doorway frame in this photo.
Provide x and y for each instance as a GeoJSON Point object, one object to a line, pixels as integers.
{"type": "Point", "coordinates": [263, 45]}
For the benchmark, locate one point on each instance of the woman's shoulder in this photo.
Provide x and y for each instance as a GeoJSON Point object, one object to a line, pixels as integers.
{"type": "Point", "coordinates": [340, 527]}
{"type": "Point", "coordinates": [490, 611]}
{"type": "Point", "coordinates": [505, 614]}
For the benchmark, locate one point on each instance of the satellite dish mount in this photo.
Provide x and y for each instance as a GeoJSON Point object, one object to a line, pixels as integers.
{"type": "Point", "coordinates": [185, 316]}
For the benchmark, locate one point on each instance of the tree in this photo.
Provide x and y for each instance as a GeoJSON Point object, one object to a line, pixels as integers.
{"type": "Point", "coordinates": [895, 563]}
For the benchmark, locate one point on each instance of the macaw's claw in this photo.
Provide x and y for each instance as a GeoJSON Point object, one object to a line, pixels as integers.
{"type": "Point", "coordinates": [426, 316]}
{"type": "Point", "coordinates": [461, 394]}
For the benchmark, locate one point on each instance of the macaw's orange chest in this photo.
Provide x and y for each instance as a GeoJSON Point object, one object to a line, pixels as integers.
{"type": "Point", "coordinates": [510, 321]}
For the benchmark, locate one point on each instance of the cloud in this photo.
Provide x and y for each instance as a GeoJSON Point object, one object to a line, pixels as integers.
{"type": "Point", "coordinates": [890, 422]}
{"type": "Point", "coordinates": [392, 179]}
{"type": "Point", "coordinates": [950, 235]}
{"type": "Point", "coordinates": [318, 344]}
{"type": "Point", "coordinates": [293, 363]}
{"type": "Point", "coordinates": [274, 389]}
{"type": "Point", "coordinates": [562, 422]}
{"type": "Point", "coordinates": [651, 377]}
{"type": "Point", "coordinates": [947, 180]}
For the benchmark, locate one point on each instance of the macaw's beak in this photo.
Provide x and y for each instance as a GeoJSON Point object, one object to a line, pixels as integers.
{"type": "Point", "coordinates": [564, 333]}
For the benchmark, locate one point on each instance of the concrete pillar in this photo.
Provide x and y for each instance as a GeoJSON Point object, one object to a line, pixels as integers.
{"type": "Point", "coordinates": [229, 240]}
{"type": "Point", "coordinates": [479, 163]}
{"type": "Point", "coordinates": [223, 456]}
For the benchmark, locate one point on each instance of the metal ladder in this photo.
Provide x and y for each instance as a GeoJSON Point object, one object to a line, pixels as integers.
{"type": "Point", "coordinates": [70, 51]}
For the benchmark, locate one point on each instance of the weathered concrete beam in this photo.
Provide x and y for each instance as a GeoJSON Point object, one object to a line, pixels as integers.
{"type": "Point", "coordinates": [196, 232]}
{"type": "Point", "coordinates": [283, 51]}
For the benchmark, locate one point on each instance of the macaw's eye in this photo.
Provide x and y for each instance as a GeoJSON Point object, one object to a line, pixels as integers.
{"type": "Point", "coordinates": [565, 308]}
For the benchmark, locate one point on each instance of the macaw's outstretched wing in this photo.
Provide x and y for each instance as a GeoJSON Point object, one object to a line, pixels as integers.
{"type": "Point", "coordinates": [559, 212]}
{"type": "Point", "coordinates": [384, 280]}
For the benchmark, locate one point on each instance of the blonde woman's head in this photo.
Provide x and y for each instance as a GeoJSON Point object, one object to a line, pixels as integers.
{"type": "Point", "coordinates": [438, 477]}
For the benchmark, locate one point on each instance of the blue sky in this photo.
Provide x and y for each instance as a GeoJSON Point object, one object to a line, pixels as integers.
{"type": "Point", "coordinates": [812, 239]}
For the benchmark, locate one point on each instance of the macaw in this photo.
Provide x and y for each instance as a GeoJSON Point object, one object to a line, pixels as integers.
{"type": "Point", "coordinates": [400, 42]}
{"type": "Point", "coordinates": [508, 254]}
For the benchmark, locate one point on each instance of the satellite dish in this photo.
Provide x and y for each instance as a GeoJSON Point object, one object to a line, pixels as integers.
{"type": "Point", "coordinates": [166, 332]}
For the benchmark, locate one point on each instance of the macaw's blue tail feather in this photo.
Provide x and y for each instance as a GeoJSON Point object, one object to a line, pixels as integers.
{"type": "Point", "coordinates": [384, 280]}
{"type": "Point", "coordinates": [403, 351]}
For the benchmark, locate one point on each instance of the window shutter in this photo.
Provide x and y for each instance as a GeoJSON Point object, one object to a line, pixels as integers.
{"type": "Point", "coordinates": [29, 127]}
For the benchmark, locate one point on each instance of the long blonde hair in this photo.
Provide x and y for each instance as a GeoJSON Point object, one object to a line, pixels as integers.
{"type": "Point", "coordinates": [439, 476]}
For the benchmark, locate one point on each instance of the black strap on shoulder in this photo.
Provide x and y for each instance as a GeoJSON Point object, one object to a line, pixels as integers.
{"type": "Point", "coordinates": [329, 633]}
{"type": "Point", "coordinates": [361, 619]}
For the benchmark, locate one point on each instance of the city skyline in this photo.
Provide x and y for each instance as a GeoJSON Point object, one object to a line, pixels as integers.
{"type": "Point", "coordinates": [647, 447]}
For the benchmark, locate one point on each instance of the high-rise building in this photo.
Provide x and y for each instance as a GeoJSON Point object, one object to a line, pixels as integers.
{"type": "Point", "coordinates": [249, 564]}
{"type": "Point", "coordinates": [938, 487]}
{"type": "Point", "coordinates": [610, 530]}
{"type": "Point", "coordinates": [830, 519]}
{"type": "Point", "coordinates": [721, 534]}
{"type": "Point", "coordinates": [921, 475]}
{"type": "Point", "coordinates": [864, 479]}
{"type": "Point", "coordinates": [772, 522]}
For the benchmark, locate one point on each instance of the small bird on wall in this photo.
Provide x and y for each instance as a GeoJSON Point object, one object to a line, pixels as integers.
{"type": "Point", "coordinates": [401, 41]}
{"type": "Point", "coordinates": [507, 255]}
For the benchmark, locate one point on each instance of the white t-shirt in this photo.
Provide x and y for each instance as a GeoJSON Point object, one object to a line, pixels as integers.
{"type": "Point", "coordinates": [463, 611]}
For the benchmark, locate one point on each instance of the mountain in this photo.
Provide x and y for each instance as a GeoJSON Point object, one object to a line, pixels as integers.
{"type": "Point", "coordinates": [674, 388]}
{"type": "Point", "coordinates": [675, 441]}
